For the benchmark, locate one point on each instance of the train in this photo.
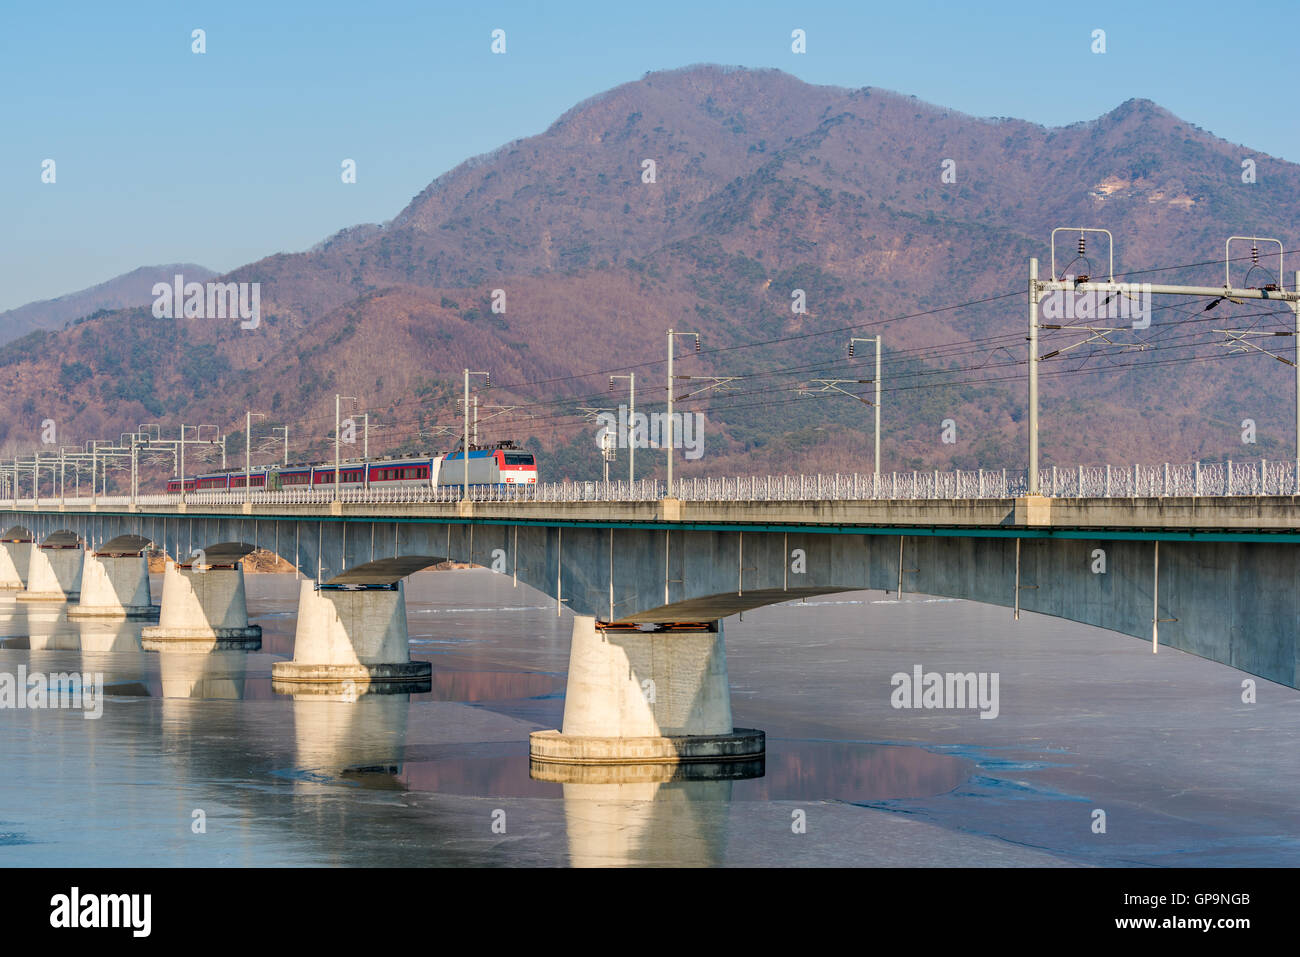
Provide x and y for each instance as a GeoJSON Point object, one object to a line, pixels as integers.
{"type": "Point", "coordinates": [504, 464]}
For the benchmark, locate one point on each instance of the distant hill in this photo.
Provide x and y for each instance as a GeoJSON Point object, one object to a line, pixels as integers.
{"type": "Point", "coordinates": [763, 185]}
{"type": "Point", "coordinates": [122, 292]}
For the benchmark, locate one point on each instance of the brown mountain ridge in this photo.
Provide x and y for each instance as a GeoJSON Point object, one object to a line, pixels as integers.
{"type": "Point", "coordinates": [763, 184]}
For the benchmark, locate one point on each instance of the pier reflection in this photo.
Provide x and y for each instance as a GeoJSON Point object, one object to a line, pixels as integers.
{"type": "Point", "coordinates": [212, 675]}
{"type": "Point", "coordinates": [116, 637]}
{"type": "Point", "coordinates": [359, 731]}
{"type": "Point", "coordinates": [620, 815]}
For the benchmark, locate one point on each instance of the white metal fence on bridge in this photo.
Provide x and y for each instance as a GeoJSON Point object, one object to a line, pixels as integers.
{"type": "Point", "coordinates": [1259, 477]}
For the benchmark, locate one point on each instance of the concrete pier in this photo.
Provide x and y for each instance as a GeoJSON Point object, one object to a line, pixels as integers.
{"type": "Point", "coordinates": [15, 559]}
{"type": "Point", "coordinates": [350, 634]}
{"type": "Point", "coordinates": [203, 609]}
{"type": "Point", "coordinates": [54, 572]}
{"type": "Point", "coordinates": [646, 697]}
{"type": "Point", "coordinates": [115, 584]}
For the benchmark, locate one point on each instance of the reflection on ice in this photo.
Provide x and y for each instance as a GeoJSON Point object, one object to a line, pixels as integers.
{"type": "Point", "coordinates": [213, 675]}
{"type": "Point", "coordinates": [617, 815]}
{"type": "Point", "coordinates": [338, 731]}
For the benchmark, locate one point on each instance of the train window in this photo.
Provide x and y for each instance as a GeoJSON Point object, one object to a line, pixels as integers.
{"type": "Point", "coordinates": [519, 458]}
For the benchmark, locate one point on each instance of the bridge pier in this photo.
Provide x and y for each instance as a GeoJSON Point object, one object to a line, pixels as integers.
{"type": "Point", "coordinates": [351, 634]}
{"type": "Point", "coordinates": [54, 571]}
{"type": "Point", "coordinates": [203, 609]}
{"type": "Point", "coordinates": [15, 560]}
{"type": "Point", "coordinates": [114, 585]}
{"type": "Point", "coordinates": [646, 697]}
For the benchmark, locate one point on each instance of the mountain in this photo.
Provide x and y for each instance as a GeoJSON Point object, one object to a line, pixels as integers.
{"type": "Point", "coordinates": [763, 185]}
{"type": "Point", "coordinates": [122, 292]}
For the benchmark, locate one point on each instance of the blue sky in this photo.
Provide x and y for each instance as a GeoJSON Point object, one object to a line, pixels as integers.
{"type": "Point", "coordinates": [167, 156]}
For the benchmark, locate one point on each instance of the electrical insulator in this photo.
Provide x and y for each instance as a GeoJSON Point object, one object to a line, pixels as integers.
{"type": "Point", "coordinates": [697, 343]}
{"type": "Point", "coordinates": [1254, 254]}
{"type": "Point", "coordinates": [850, 350]}
{"type": "Point", "coordinates": [1083, 243]}
{"type": "Point", "coordinates": [487, 380]}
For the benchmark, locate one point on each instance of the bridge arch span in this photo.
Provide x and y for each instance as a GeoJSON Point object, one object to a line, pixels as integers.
{"type": "Point", "coordinates": [725, 604]}
{"type": "Point", "coordinates": [385, 571]}
{"type": "Point", "coordinates": [62, 538]}
{"type": "Point", "coordinates": [216, 555]}
{"type": "Point", "coordinates": [122, 546]}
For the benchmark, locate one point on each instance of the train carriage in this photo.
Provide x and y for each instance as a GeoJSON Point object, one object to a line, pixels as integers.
{"type": "Point", "coordinates": [504, 465]}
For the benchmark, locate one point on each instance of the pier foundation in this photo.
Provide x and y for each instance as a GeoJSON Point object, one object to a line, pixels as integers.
{"type": "Point", "coordinates": [15, 560]}
{"type": "Point", "coordinates": [114, 585]}
{"type": "Point", "coordinates": [203, 609]}
{"type": "Point", "coordinates": [646, 697]}
{"type": "Point", "coordinates": [54, 571]}
{"type": "Point", "coordinates": [354, 634]}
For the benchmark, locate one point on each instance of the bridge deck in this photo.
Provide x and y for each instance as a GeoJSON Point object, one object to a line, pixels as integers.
{"type": "Point", "coordinates": [1273, 518]}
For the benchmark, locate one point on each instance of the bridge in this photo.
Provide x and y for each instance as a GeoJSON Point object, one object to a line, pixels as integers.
{"type": "Point", "coordinates": [1199, 557]}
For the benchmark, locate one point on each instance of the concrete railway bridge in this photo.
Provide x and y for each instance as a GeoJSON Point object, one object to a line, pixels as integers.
{"type": "Point", "coordinates": [649, 583]}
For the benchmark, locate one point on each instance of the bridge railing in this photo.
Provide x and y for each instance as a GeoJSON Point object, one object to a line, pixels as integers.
{"type": "Point", "coordinates": [1256, 477]}
{"type": "Point", "coordinates": [1260, 477]}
